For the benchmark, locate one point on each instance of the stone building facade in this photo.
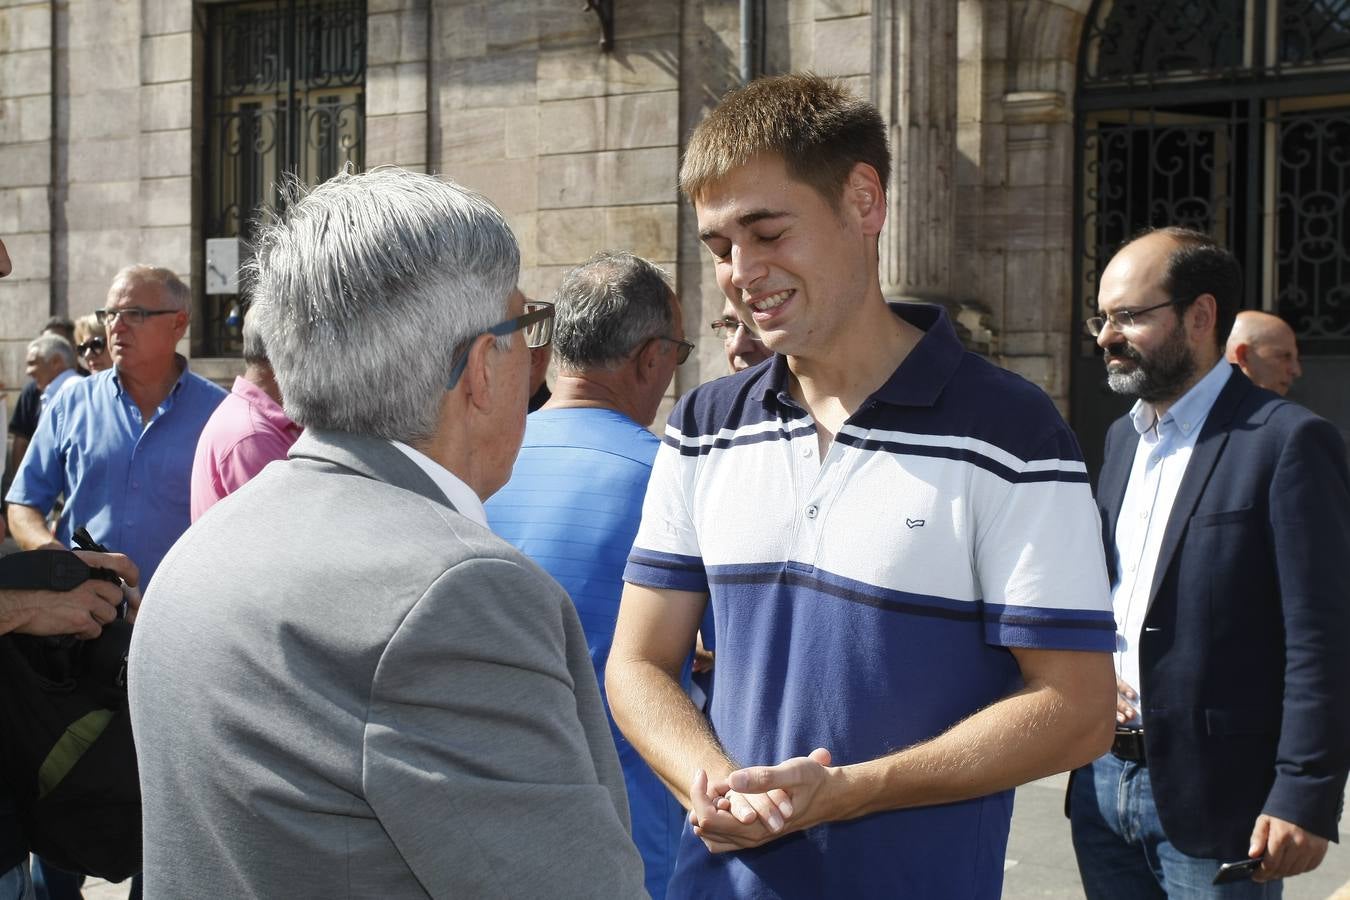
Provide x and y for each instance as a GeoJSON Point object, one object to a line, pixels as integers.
{"type": "Point", "coordinates": [106, 137]}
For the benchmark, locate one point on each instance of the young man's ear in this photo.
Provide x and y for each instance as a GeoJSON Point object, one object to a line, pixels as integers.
{"type": "Point", "coordinates": [866, 195]}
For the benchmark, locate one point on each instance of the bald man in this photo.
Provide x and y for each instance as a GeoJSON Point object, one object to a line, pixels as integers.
{"type": "Point", "coordinates": [1263, 346]}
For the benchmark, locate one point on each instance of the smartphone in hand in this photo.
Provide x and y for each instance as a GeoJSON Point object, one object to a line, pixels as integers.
{"type": "Point", "coordinates": [1242, 870]}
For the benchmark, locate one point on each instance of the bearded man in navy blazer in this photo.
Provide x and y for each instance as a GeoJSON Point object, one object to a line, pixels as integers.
{"type": "Point", "coordinates": [1226, 522]}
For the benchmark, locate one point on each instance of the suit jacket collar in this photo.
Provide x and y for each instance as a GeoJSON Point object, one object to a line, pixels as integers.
{"type": "Point", "coordinates": [1208, 449]}
{"type": "Point", "coordinates": [369, 456]}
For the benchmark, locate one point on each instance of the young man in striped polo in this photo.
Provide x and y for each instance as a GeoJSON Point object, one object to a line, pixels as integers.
{"type": "Point", "coordinates": [897, 539]}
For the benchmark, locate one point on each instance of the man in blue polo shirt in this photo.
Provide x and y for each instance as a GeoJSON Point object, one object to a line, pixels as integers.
{"type": "Point", "coordinates": [575, 494]}
{"type": "Point", "coordinates": [896, 537]}
{"type": "Point", "coordinates": [119, 444]}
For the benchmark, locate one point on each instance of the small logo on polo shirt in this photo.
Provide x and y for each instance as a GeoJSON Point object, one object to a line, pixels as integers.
{"type": "Point", "coordinates": [914, 523]}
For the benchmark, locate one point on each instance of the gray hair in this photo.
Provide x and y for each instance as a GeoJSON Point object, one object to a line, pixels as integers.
{"type": "Point", "coordinates": [606, 307]}
{"type": "Point", "coordinates": [48, 346]}
{"type": "Point", "coordinates": [366, 285]}
{"type": "Point", "coordinates": [255, 348]}
{"type": "Point", "coordinates": [175, 292]}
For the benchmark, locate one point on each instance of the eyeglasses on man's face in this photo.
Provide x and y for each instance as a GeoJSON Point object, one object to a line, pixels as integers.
{"type": "Point", "coordinates": [681, 352]}
{"type": "Point", "coordinates": [728, 326]}
{"type": "Point", "coordinates": [1121, 319]}
{"type": "Point", "coordinates": [134, 315]}
{"type": "Point", "coordinates": [536, 323]}
{"type": "Point", "coordinates": [92, 347]}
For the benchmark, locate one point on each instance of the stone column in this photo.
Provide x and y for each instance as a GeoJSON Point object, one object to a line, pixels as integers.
{"type": "Point", "coordinates": [915, 88]}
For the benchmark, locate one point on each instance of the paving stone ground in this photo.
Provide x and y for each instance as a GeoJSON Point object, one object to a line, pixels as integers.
{"type": "Point", "coordinates": [1040, 863]}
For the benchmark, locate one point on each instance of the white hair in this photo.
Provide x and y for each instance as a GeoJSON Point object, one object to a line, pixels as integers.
{"type": "Point", "coordinates": [365, 286]}
{"type": "Point", "coordinates": [50, 346]}
{"type": "Point", "coordinates": [175, 292]}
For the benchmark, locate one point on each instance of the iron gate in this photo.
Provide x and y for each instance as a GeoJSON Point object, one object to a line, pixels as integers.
{"type": "Point", "coordinates": [1230, 116]}
{"type": "Point", "coordinates": [286, 98]}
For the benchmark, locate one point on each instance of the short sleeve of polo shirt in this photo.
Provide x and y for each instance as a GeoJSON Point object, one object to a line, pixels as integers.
{"type": "Point", "coordinates": [40, 477]}
{"type": "Point", "coordinates": [1038, 555]}
{"type": "Point", "coordinates": [666, 553]}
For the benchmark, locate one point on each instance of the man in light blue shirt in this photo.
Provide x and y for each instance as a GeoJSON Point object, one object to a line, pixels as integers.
{"type": "Point", "coordinates": [574, 500]}
{"type": "Point", "coordinates": [119, 445]}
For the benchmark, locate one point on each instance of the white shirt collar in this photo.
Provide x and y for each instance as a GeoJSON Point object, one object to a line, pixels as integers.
{"type": "Point", "coordinates": [1192, 408]}
{"type": "Point", "coordinates": [465, 501]}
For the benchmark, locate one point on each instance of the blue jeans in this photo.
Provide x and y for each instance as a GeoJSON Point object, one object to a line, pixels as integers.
{"type": "Point", "coordinates": [1122, 851]}
{"type": "Point", "coordinates": [15, 883]}
{"type": "Point", "coordinates": [51, 883]}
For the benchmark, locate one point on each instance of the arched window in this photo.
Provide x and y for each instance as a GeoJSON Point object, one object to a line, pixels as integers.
{"type": "Point", "coordinates": [1232, 116]}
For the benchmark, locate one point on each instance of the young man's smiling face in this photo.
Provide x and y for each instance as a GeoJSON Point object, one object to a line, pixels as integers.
{"type": "Point", "coordinates": [788, 261]}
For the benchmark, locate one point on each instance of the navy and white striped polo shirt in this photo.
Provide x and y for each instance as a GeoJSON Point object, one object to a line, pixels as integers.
{"type": "Point", "coordinates": [866, 601]}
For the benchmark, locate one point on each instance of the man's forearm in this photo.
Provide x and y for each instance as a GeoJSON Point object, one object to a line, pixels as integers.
{"type": "Point", "coordinates": [1028, 735]}
{"type": "Point", "coordinates": [29, 527]}
{"type": "Point", "coordinates": [660, 720]}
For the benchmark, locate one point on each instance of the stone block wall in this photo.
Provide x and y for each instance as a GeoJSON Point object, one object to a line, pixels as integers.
{"type": "Point", "coordinates": [25, 173]}
{"type": "Point", "coordinates": [580, 148]}
{"type": "Point", "coordinates": [577, 147]}
{"type": "Point", "coordinates": [96, 114]}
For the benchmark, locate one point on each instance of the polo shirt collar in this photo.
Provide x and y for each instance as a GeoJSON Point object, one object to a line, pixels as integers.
{"type": "Point", "coordinates": [918, 381]}
{"type": "Point", "coordinates": [268, 408]}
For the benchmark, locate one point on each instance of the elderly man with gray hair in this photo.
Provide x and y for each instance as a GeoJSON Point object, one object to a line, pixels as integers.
{"type": "Point", "coordinates": [51, 364]}
{"type": "Point", "coordinates": [355, 689]}
{"type": "Point", "coordinates": [119, 444]}
{"type": "Point", "coordinates": [575, 496]}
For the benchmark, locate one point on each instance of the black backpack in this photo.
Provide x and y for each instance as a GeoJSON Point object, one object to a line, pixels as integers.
{"type": "Point", "coordinates": [66, 750]}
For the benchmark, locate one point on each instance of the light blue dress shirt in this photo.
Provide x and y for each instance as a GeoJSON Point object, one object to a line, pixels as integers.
{"type": "Point", "coordinates": [126, 480]}
{"type": "Point", "coordinates": [1160, 463]}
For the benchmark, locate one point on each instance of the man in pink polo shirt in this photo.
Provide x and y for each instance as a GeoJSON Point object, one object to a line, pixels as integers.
{"type": "Point", "coordinates": [246, 432]}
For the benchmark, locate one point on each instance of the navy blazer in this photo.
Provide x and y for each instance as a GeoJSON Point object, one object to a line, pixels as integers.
{"type": "Point", "coordinates": [1245, 654]}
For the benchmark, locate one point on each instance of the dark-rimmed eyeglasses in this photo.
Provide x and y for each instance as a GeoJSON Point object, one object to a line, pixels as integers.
{"type": "Point", "coordinates": [681, 352]}
{"type": "Point", "coordinates": [727, 327]}
{"type": "Point", "coordinates": [133, 314]}
{"type": "Point", "coordinates": [1120, 319]}
{"type": "Point", "coordinates": [92, 347]}
{"type": "Point", "coordinates": [536, 323]}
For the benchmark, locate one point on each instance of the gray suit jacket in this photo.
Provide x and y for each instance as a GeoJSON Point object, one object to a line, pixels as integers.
{"type": "Point", "coordinates": [340, 687]}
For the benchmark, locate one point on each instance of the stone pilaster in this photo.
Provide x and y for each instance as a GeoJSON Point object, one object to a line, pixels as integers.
{"type": "Point", "coordinates": [915, 89]}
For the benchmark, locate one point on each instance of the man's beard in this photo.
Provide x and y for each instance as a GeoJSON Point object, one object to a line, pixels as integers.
{"type": "Point", "coordinates": [1161, 376]}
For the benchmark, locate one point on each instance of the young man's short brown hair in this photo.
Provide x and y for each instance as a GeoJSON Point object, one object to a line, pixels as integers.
{"type": "Point", "coordinates": [818, 129]}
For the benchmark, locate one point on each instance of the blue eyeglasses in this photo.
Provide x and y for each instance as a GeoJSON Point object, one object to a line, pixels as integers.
{"type": "Point", "coordinates": [536, 322]}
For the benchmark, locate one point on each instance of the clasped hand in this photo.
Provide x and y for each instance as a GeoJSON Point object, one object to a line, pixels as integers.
{"type": "Point", "coordinates": [755, 805]}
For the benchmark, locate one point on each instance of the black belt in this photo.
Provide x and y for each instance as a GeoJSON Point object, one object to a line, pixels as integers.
{"type": "Point", "coordinates": [1129, 745]}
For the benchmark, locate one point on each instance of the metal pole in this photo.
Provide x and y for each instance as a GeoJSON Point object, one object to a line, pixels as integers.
{"type": "Point", "coordinates": [747, 41]}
